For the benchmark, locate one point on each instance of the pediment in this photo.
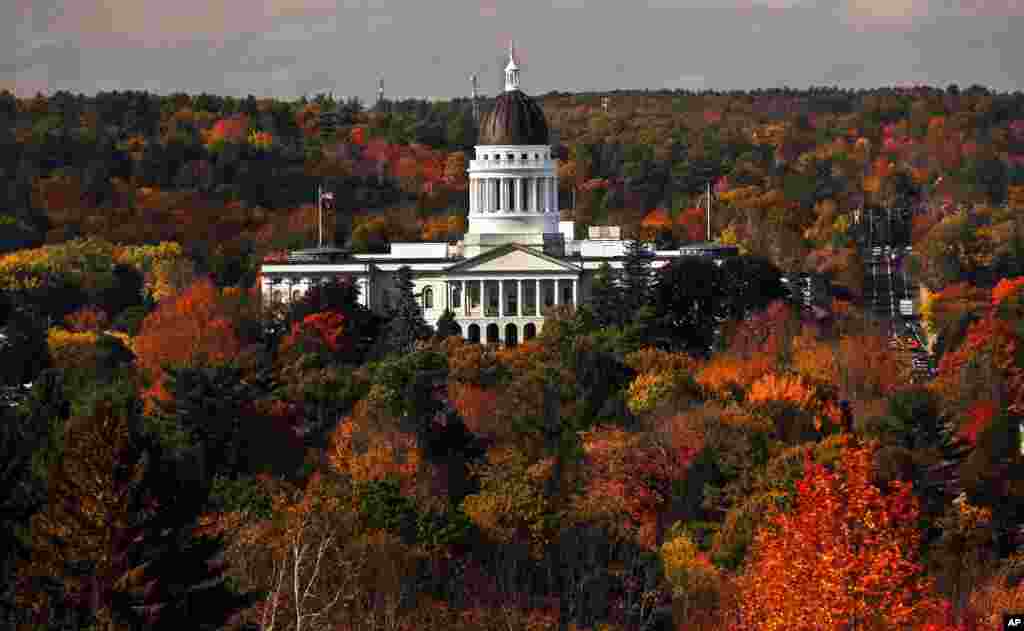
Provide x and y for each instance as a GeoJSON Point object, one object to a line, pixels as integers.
{"type": "Point", "coordinates": [513, 258]}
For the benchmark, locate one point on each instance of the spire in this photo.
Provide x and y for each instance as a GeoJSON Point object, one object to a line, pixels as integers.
{"type": "Point", "coordinates": [511, 70]}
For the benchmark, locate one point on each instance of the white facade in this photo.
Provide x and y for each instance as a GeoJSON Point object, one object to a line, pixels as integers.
{"type": "Point", "coordinates": [516, 260]}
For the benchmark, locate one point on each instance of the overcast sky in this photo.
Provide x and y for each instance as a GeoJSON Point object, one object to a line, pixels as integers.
{"type": "Point", "coordinates": [429, 48]}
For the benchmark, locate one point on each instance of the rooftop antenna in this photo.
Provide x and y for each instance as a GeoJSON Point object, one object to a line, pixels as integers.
{"type": "Point", "coordinates": [380, 92]}
{"type": "Point", "coordinates": [476, 104]}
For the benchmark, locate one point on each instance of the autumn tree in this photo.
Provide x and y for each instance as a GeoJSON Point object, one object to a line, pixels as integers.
{"type": "Point", "coordinates": [190, 328]}
{"type": "Point", "coordinates": [115, 539]}
{"type": "Point", "coordinates": [845, 555]}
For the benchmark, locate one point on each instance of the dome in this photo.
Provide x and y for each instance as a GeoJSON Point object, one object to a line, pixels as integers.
{"type": "Point", "coordinates": [515, 120]}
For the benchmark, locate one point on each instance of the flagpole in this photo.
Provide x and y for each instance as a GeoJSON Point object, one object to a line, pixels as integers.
{"type": "Point", "coordinates": [319, 219]}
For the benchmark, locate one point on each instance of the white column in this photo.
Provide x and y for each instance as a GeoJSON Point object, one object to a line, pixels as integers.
{"type": "Point", "coordinates": [464, 297]}
{"type": "Point", "coordinates": [519, 299]}
{"type": "Point", "coordinates": [501, 300]}
{"type": "Point", "coordinates": [575, 299]}
{"type": "Point", "coordinates": [554, 282]}
{"type": "Point", "coordinates": [554, 194]}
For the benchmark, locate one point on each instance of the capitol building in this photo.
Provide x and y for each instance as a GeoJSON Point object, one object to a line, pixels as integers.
{"type": "Point", "coordinates": [517, 258]}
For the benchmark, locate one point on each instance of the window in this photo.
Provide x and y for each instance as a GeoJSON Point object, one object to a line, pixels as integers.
{"type": "Point", "coordinates": [536, 156]}
{"type": "Point", "coordinates": [567, 295]}
{"type": "Point", "coordinates": [474, 295]}
{"type": "Point", "coordinates": [275, 297]}
{"type": "Point", "coordinates": [456, 296]}
{"type": "Point", "coordinates": [549, 295]}
{"type": "Point", "coordinates": [511, 156]}
{"type": "Point", "coordinates": [428, 298]}
{"type": "Point", "coordinates": [524, 156]}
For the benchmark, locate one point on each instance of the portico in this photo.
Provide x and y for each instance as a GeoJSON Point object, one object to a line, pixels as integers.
{"type": "Point", "coordinates": [510, 287]}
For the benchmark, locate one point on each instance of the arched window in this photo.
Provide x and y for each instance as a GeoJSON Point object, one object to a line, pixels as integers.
{"type": "Point", "coordinates": [428, 298]}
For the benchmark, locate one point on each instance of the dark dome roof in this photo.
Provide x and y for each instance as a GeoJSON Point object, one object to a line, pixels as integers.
{"type": "Point", "coordinates": [515, 120]}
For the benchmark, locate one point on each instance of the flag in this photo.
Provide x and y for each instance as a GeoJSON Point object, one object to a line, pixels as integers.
{"type": "Point", "coordinates": [327, 200]}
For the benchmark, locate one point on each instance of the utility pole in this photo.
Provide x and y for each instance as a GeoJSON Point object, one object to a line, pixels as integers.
{"type": "Point", "coordinates": [709, 211]}
{"type": "Point", "coordinates": [323, 198]}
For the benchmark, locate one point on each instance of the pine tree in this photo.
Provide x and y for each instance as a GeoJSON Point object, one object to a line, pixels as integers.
{"type": "Point", "coordinates": [606, 297]}
{"type": "Point", "coordinates": [446, 325]}
{"type": "Point", "coordinates": [407, 324]}
{"type": "Point", "coordinates": [205, 417]}
{"type": "Point", "coordinates": [637, 278]}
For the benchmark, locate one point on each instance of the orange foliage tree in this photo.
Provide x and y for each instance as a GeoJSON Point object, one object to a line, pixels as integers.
{"type": "Point", "coordinates": [631, 475]}
{"type": "Point", "coordinates": [845, 557]}
{"type": "Point", "coordinates": [191, 327]}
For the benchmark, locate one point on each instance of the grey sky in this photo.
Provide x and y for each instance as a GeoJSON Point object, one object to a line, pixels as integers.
{"type": "Point", "coordinates": [428, 48]}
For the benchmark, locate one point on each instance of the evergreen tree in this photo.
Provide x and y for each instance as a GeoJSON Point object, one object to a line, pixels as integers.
{"type": "Point", "coordinates": [205, 417]}
{"type": "Point", "coordinates": [407, 324]}
{"type": "Point", "coordinates": [446, 325]}
{"type": "Point", "coordinates": [22, 344]}
{"type": "Point", "coordinates": [637, 278]}
{"type": "Point", "coordinates": [606, 297]}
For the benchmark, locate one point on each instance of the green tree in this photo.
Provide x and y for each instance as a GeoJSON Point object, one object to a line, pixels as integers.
{"type": "Point", "coordinates": [606, 297]}
{"type": "Point", "coordinates": [637, 278]}
{"type": "Point", "coordinates": [22, 344]}
{"type": "Point", "coordinates": [687, 298]}
{"type": "Point", "coordinates": [446, 325]}
{"type": "Point", "coordinates": [205, 417]}
{"type": "Point", "coordinates": [407, 325]}
{"type": "Point", "coordinates": [749, 284]}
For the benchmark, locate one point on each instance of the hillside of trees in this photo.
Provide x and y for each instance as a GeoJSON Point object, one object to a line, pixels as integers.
{"type": "Point", "coordinates": [690, 450]}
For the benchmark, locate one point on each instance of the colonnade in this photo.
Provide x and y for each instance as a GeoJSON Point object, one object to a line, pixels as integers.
{"type": "Point", "coordinates": [509, 194]}
{"type": "Point", "coordinates": [514, 297]}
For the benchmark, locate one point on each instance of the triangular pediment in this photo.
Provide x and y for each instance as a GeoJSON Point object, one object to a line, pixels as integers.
{"type": "Point", "coordinates": [513, 258]}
